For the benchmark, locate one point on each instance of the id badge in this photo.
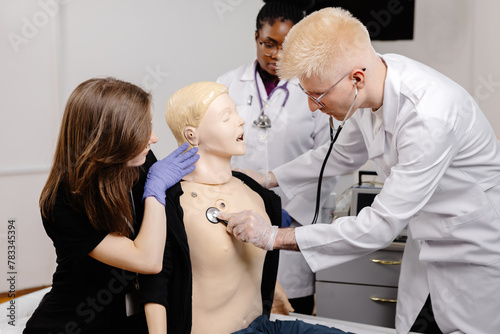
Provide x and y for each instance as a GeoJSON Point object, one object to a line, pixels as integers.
{"type": "Point", "coordinates": [132, 305]}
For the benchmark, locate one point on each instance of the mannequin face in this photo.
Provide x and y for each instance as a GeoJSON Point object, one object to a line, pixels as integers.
{"type": "Point", "coordinates": [276, 34]}
{"type": "Point", "coordinates": [221, 130]}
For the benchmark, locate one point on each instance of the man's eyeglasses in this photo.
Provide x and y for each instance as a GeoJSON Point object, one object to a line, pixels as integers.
{"type": "Point", "coordinates": [270, 48]}
{"type": "Point", "coordinates": [318, 99]}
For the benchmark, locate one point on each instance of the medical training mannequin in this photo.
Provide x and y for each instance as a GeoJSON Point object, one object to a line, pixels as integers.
{"type": "Point", "coordinates": [293, 130]}
{"type": "Point", "coordinates": [227, 274]}
{"type": "Point", "coordinates": [437, 155]}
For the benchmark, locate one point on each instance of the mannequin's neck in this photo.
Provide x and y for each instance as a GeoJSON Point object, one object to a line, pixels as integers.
{"type": "Point", "coordinates": [211, 169]}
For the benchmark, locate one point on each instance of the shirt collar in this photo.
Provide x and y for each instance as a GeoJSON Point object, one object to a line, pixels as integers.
{"type": "Point", "coordinates": [392, 88]}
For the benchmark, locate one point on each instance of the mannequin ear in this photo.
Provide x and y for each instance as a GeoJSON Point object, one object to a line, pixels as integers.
{"type": "Point", "coordinates": [191, 135]}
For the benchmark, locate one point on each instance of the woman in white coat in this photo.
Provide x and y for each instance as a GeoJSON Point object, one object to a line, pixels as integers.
{"type": "Point", "coordinates": [440, 160]}
{"type": "Point", "coordinates": [285, 130]}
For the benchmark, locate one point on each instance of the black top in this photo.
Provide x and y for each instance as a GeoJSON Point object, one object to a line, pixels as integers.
{"type": "Point", "coordinates": [86, 294]}
{"type": "Point", "coordinates": [172, 287]}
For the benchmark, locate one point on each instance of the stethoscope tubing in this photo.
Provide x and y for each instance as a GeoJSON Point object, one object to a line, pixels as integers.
{"type": "Point", "coordinates": [283, 87]}
{"type": "Point", "coordinates": [333, 140]}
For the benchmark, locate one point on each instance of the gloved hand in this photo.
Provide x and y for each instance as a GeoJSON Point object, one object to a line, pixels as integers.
{"type": "Point", "coordinates": [286, 220]}
{"type": "Point", "coordinates": [168, 171]}
{"type": "Point", "coordinates": [249, 226]}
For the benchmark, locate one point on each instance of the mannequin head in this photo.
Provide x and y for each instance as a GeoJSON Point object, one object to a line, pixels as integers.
{"type": "Point", "coordinates": [204, 115]}
{"type": "Point", "coordinates": [187, 107]}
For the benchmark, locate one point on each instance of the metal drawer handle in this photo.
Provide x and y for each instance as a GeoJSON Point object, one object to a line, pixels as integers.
{"type": "Point", "coordinates": [386, 261]}
{"type": "Point", "coordinates": [383, 300]}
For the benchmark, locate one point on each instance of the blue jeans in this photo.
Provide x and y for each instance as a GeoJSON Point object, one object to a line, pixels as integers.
{"type": "Point", "coordinates": [262, 325]}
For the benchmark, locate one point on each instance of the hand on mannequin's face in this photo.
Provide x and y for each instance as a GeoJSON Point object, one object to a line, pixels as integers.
{"type": "Point", "coordinates": [221, 130]}
{"type": "Point", "coordinates": [274, 34]}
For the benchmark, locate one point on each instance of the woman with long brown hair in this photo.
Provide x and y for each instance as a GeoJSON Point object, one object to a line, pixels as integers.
{"type": "Point", "coordinates": [92, 205]}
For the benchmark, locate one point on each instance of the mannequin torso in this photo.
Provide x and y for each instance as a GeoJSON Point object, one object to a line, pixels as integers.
{"type": "Point", "coordinates": [227, 273]}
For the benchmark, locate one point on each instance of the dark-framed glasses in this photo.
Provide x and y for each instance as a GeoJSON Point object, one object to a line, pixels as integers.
{"type": "Point", "coordinates": [270, 48]}
{"type": "Point", "coordinates": [318, 99]}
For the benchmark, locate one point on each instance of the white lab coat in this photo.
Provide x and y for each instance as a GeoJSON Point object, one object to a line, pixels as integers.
{"type": "Point", "coordinates": [441, 165]}
{"type": "Point", "coordinates": [294, 130]}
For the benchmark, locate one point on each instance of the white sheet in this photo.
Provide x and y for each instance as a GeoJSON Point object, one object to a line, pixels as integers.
{"type": "Point", "coordinates": [346, 326]}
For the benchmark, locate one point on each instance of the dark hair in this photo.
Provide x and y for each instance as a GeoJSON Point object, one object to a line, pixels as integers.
{"type": "Point", "coordinates": [282, 10]}
{"type": "Point", "coordinates": [106, 123]}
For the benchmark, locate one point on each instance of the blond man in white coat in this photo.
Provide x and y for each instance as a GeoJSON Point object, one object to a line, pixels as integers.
{"type": "Point", "coordinates": [439, 158]}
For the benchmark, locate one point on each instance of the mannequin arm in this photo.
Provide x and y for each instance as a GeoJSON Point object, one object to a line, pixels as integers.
{"type": "Point", "coordinates": [281, 305]}
{"type": "Point", "coordinates": [156, 316]}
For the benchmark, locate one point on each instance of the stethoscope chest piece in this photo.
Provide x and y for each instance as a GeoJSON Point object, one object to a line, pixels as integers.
{"type": "Point", "coordinates": [263, 121]}
{"type": "Point", "coordinates": [212, 214]}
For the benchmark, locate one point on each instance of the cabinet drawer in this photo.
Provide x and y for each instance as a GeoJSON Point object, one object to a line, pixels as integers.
{"type": "Point", "coordinates": [378, 268]}
{"type": "Point", "coordinates": [353, 302]}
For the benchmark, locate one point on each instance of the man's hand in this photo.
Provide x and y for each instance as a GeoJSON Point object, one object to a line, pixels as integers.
{"type": "Point", "coordinates": [249, 226]}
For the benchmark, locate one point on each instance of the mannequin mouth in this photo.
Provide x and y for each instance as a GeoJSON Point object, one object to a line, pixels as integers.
{"type": "Point", "coordinates": [240, 139]}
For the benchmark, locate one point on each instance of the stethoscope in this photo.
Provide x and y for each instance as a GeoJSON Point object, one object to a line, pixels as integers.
{"type": "Point", "coordinates": [333, 140]}
{"type": "Point", "coordinates": [263, 121]}
{"type": "Point", "coordinates": [212, 212]}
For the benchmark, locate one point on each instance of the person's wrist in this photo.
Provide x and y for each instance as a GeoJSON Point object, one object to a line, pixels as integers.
{"type": "Point", "coordinates": [272, 180]}
{"type": "Point", "coordinates": [156, 193]}
{"type": "Point", "coordinates": [267, 179]}
{"type": "Point", "coordinates": [272, 237]}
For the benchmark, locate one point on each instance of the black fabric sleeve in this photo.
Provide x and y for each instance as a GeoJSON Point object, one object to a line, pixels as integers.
{"type": "Point", "coordinates": [71, 231]}
{"type": "Point", "coordinates": [154, 288]}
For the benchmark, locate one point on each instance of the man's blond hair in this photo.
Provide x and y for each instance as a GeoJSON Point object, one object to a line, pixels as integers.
{"type": "Point", "coordinates": [325, 43]}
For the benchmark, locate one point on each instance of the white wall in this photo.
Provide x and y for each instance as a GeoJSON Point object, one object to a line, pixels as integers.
{"type": "Point", "coordinates": [49, 47]}
{"type": "Point", "coordinates": [164, 45]}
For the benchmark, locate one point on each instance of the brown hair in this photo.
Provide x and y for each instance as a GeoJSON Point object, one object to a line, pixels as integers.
{"type": "Point", "coordinates": [106, 123]}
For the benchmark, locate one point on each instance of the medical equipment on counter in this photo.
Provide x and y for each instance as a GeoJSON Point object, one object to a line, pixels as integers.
{"type": "Point", "coordinates": [263, 121]}
{"type": "Point", "coordinates": [212, 214]}
{"type": "Point", "coordinates": [333, 140]}
{"type": "Point", "coordinates": [363, 193]}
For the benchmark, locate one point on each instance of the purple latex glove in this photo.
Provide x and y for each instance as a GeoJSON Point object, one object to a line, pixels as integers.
{"type": "Point", "coordinates": [168, 171]}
